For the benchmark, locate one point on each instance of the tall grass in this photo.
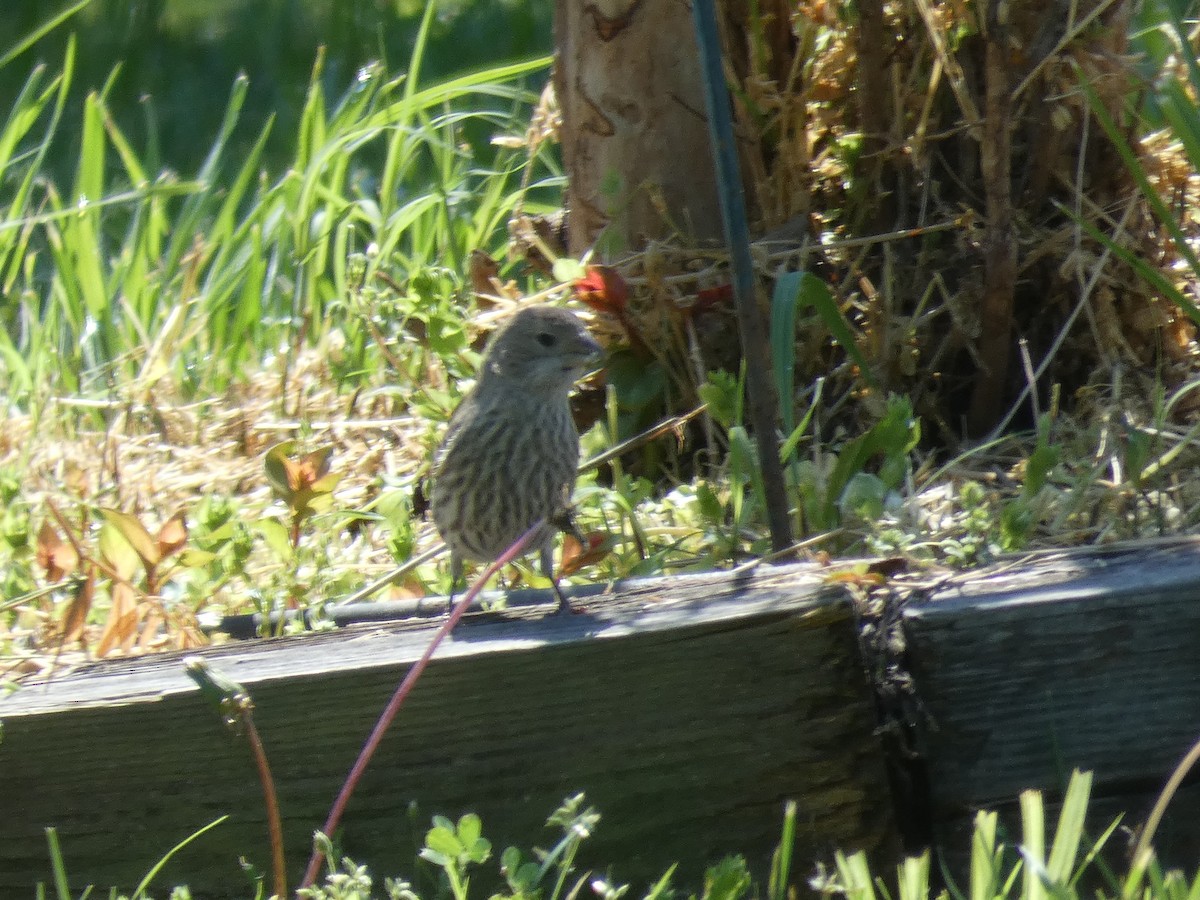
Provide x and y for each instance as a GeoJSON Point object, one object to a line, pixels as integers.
{"type": "Point", "coordinates": [175, 55]}
{"type": "Point", "coordinates": [130, 275]}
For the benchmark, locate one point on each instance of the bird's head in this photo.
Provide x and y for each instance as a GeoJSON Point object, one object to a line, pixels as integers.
{"type": "Point", "coordinates": [541, 349]}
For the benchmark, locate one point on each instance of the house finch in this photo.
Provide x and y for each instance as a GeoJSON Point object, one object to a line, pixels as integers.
{"type": "Point", "coordinates": [511, 449]}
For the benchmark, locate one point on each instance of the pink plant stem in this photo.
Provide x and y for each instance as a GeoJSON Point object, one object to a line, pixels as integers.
{"type": "Point", "coordinates": [402, 692]}
{"type": "Point", "coordinates": [271, 801]}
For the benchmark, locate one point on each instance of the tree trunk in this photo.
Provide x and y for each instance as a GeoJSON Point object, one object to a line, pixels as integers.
{"type": "Point", "coordinates": [634, 134]}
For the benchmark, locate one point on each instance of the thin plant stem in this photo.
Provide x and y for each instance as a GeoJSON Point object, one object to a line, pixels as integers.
{"type": "Point", "coordinates": [402, 692]}
{"type": "Point", "coordinates": [237, 711]}
{"type": "Point", "coordinates": [271, 799]}
{"type": "Point", "coordinates": [1164, 799]}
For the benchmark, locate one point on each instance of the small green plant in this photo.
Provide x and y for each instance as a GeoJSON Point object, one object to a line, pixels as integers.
{"type": "Point", "coordinates": [304, 483]}
{"type": "Point", "coordinates": [1022, 513]}
{"type": "Point", "coordinates": [134, 565]}
{"type": "Point", "coordinates": [457, 849]}
{"type": "Point", "coordinates": [61, 882]}
{"type": "Point", "coordinates": [1040, 867]}
{"type": "Point", "coordinates": [236, 707]}
{"type": "Point", "coordinates": [305, 486]}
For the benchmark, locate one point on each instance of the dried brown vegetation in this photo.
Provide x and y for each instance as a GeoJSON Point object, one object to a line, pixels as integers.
{"type": "Point", "coordinates": [937, 164]}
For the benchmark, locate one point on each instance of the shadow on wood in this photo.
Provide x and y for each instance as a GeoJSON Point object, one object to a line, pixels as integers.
{"type": "Point", "coordinates": [688, 709]}
{"type": "Point", "coordinates": [1082, 659]}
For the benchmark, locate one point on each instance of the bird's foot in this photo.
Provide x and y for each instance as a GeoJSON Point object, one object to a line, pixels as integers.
{"type": "Point", "coordinates": [564, 605]}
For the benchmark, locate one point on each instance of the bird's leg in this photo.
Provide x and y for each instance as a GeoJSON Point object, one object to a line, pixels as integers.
{"type": "Point", "coordinates": [564, 605]}
{"type": "Point", "coordinates": [456, 576]}
{"type": "Point", "coordinates": [547, 558]}
{"type": "Point", "coordinates": [563, 520]}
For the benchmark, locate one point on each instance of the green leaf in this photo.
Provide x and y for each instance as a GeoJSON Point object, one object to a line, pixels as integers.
{"type": "Point", "coordinates": [1033, 844]}
{"type": "Point", "coordinates": [41, 31]}
{"type": "Point", "coordinates": [1137, 453]}
{"type": "Point", "coordinates": [438, 859]}
{"type": "Point", "coordinates": [709, 504]}
{"type": "Point", "coordinates": [479, 850]}
{"type": "Point", "coordinates": [470, 828]}
{"type": "Point", "coordinates": [781, 859]}
{"type": "Point", "coordinates": [894, 436]}
{"type": "Point", "coordinates": [135, 533]}
{"type": "Point", "coordinates": [193, 558]}
{"type": "Point", "coordinates": [793, 439]}
{"type": "Point", "coordinates": [864, 497]}
{"type": "Point", "coordinates": [275, 533]}
{"type": "Point", "coordinates": [803, 289]}
{"type": "Point", "coordinates": [117, 552]}
{"type": "Point", "coordinates": [855, 875]}
{"type": "Point", "coordinates": [279, 467]}
{"type": "Point", "coordinates": [1040, 464]}
{"type": "Point", "coordinates": [985, 856]}
{"type": "Point", "coordinates": [662, 888]}
{"type": "Point", "coordinates": [721, 393]}
{"type": "Point", "coordinates": [567, 269]}
{"type": "Point", "coordinates": [1016, 521]}
{"type": "Point", "coordinates": [638, 382]}
{"type": "Point", "coordinates": [727, 880]}
{"type": "Point", "coordinates": [441, 839]}
{"type": "Point", "coordinates": [913, 876]}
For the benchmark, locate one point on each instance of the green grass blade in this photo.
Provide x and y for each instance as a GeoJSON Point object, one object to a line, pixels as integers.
{"type": "Point", "coordinates": [784, 300]}
{"type": "Point", "coordinates": [133, 166]}
{"type": "Point", "coordinates": [81, 231]}
{"type": "Point", "coordinates": [1144, 270]}
{"type": "Point", "coordinates": [41, 31]}
{"type": "Point", "coordinates": [418, 53]}
{"type": "Point", "coordinates": [150, 876]}
{"type": "Point", "coordinates": [1135, 168]}
{"type": "Point", "coordinates": [855, 875]}
{"type": "Point", "coordinates": [1069, 833]}
{"type": "Point", "coordinates": [781, 859]}
{"type": "Point", "coordinates": [914, 878]}
{"type": "Point", "coordinates": [1033, 845]}
{"type": "Point", "coordinates": [985, 858]}
{"type": "Point", "coordinates": [223, 225]}
{"type": "Point", "coordinates": [61, 886]}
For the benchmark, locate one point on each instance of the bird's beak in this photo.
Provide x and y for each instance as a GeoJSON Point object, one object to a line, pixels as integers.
{"type": "Point", "coordinates": [591, 355]}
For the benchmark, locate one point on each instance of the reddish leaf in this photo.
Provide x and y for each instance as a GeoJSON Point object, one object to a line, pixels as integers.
{"type": "Point", "coordinates": [297, 481]}
{"type": "Point", "coordinates": [484, 272]}
{"type": "Point", "coordinates": [281, 471]}
{"type": "Point", "coordinates": [722, 295]}
{"type": "Point", "coordinates": [55, 555]}
{"type": "Point", "coordinates": [77, 610]}
{"type": "Point", "coordinates": [603, 289]}
{"type": "Point", "coordinates": [858, 579]}
{"type": "Point", "coordinates": [409, 589]}
{"type": "Point", "coordinates": [172, 536]}
{"type": "Point", "coordinates": [121, 627]}
{"type": "Point", "coordinates": [575, 555]}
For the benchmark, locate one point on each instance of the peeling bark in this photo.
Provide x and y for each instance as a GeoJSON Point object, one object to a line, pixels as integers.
{"type": "Point", "coordinates": [634, 133]}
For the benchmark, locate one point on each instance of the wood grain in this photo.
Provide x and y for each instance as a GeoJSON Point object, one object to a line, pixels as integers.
{"type": "Point", "coordinates": [1083, 659]}
{"type": "Point", "coordinates": [688, 709]}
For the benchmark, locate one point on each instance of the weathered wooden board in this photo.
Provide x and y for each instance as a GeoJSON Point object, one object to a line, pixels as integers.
{"type": "Point", "coordinates": [689, 709]}
{"type": "Point", "coordinates": [1085, 659]}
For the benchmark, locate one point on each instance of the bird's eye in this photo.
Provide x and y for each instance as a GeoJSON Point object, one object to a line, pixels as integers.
{"type": "Point", "coordinates": [545, 338]}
